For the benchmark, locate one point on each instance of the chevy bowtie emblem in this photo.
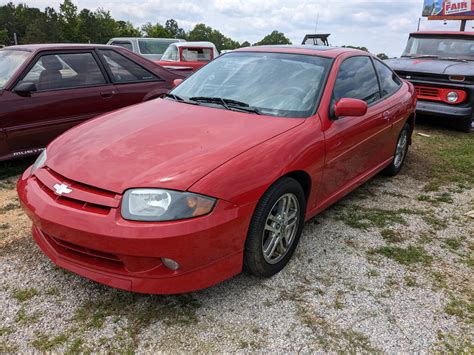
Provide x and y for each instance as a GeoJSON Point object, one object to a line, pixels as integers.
{"type": "Point", "coordinates": [61, 189]}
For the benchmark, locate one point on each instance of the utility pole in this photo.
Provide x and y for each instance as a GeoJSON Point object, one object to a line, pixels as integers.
{"type": "Point", "coordinates": [15, 39]}
{"type": "Point", "coordinates": [463, 25]}
{"type": "Point", "coordinates": [419, 22]}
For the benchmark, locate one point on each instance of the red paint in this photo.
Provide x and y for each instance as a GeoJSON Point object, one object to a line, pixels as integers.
{"type": "Point", "coordinates": [30, 123]}
{"type": "Point", "coordinates": [185, 65]}
{"type": "Point", "coordinates": [231, 156]}
{"type": "Point", "coordinates": [350, 107]}
{"type": "Point", "coordinates": [431, 93]}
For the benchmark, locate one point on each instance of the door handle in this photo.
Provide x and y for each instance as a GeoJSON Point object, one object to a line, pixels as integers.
{"type": "Point", "coordinates": [107, 94]}
{"type": "Point", "coordinates": [386, 115]}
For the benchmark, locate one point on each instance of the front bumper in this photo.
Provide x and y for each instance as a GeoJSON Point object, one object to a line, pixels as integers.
{"type": "Point", "coordinates": [443, 110]}
{"type": "Point", "coordinates": [127, 255]}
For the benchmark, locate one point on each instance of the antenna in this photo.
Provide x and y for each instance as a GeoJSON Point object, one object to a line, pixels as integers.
{"type": "Point", "coordinates": [317, 21]}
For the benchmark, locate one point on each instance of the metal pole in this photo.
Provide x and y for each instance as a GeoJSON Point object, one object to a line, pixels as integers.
{"type": "Point", "coordinates": [15, 39]}
{"type": "Point", "coordinates": [419, 21]}
{"type": "Point", "coordinates": [463, 25]}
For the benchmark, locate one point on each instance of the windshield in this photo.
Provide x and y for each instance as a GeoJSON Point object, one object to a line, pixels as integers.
{"type": "Point", "coordinates": [443, 47]}
{"type": "Point", "coordinates": [10, 61]}
{"type": "Point", "coordinates": [277, 84]}
{"type": "Point", "coordinates": [153, 46]}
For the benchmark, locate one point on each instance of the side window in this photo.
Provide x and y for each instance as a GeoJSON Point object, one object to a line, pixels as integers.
{"type": "Point", "coordinates": [123, 69]}
{"type": "Point", "coordinates": [65, 71]}
{"type": "Point", "coordinates": [171, 54]}
{"type": "Point", "coordinates": [357, 80]}
{"type": "Point", "coordinates": [388, 79]}
{"type": "Point", "coordinates": [123, 44]}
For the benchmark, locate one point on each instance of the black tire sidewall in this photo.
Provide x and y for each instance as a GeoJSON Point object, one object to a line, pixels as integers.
{"type": "Point", "coordinates": [254, 261]}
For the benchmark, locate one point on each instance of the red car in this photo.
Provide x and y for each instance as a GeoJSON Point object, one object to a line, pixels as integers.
{"type": "Point", "coordinates": [187, 57]}
{"type": "Point", "coordinates": [183, 192]}
{"type": "Point", "coordinates": [47, 89]}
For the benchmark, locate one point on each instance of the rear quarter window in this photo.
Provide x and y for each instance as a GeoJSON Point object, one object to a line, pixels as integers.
{"type": "Point", "coordinates": [389, 81]}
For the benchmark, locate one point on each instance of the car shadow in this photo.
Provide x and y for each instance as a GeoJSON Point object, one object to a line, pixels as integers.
{"type": "Point", "coordinates": [14, 167]}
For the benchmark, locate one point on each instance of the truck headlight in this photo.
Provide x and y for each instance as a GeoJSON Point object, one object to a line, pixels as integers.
{"type": "Point", "coordinates": [452, 97]}
{"type": "Point", "coordinates": [158, 205]}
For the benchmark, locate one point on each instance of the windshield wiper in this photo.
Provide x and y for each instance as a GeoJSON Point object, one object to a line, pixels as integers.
{"type": "Point", "coordinates": [454, 59]}
{"type": "Point", "coordinates": [180, 99]}
{"type": "Point", "coordinates": [228, 104]}
{"type": "Point", "coordinates": [424, 56]}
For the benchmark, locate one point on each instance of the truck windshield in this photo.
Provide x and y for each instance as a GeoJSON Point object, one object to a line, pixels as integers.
{"type": "Point", "coordinates": [10, 61]}
{"type": "Point", "coordinates": [275, 84]}
{"type": "Point", "coordinates": [153, 46]}
{"type": "Point", "coordinates": [442, 47]}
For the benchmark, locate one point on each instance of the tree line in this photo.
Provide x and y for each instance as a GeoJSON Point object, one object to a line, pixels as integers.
{"type": "Point", "coordinates": [71, 25]}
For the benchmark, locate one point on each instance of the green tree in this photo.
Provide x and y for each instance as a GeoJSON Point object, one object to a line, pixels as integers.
{"type": "Point", "coordinates": [68, 21]}
{"type": "Point", "coordinates": [245, 44]}
{"type": "Point", "coordinates": [201, 32]}
{"type": "Point", "coordinates": [382, 56]}
{"type": "Point", "coordinates": [126, 29]}
{"type": "Point", "coordinates": [172, 27]}
{"type": "Point", "coordinates": [274, 38]}
{"type": "Point", "coordinates": [4, 37]}
{"type": "Point", "coordinates": [157, 31]}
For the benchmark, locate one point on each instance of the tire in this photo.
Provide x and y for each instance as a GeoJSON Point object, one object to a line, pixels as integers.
{"type": "Point", "coordinates": [400, 154]}
{"type": "Point", "coordinates": [466, 125]}
{"type": "Point", "coordinates": [258, 257]}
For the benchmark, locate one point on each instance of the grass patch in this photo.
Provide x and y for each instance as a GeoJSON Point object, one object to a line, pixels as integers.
{"type": "Point", "coordinates": [364, 218]}
{"type": "Point", "coordinates": [434, 222]}
{"type": "Point", "coordinates": [404, 256]}
{"type": "Point", "coordinates": [410, 281]}
{"type": "Point", "coordinates": [25, 294]}
{"type": "Point", "coordinates": [5, 331]}
{"type": "Point", "coordinates": [23, 318]}
{"type": "Point", "coordinates": [391, 236]}
{"type": "Point", "coordinates": [373, 273]}
{"type": "Point", "coordinates": [460, 308]}
{"type": "Point", "coordinates": [451, 159]}
{"type": "Point", "coordinates": [10, 206]}
{"type": "Point", "coordinates": [444, 197]}
{"type": "Point", "coordinates": [453, 244]}
{"type": "Point", "coordinates": [44, 342]}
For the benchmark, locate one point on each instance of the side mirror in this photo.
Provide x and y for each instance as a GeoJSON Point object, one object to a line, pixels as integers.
{"type": "Point", "coordinates": [177, 82]}
{"type": "Point", "coordinates": [25, 89]}
{"type": "Point", "coordinates": [350, 107]}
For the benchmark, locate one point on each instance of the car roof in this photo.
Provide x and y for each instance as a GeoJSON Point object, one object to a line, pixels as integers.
{"type": "Point", "coordinates": [323, 51]}
{"type": "Point", "coordinates": [194, 44]}
{"type": "Point", "coordinates": [145, 38]}
{"type": "Point", "coordinates": [455, 33]}
{"type": "Point", "coordinates": [54, 46]}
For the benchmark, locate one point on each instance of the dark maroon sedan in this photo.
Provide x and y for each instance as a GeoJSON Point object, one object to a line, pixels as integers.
{"type": "Point", "coordinates": [46, 89]}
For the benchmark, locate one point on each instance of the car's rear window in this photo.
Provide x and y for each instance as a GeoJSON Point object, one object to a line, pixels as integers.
{"type": "Point", "coordinates": [10, 61]}
{"type": "Point", "coordinates": [153, 46]}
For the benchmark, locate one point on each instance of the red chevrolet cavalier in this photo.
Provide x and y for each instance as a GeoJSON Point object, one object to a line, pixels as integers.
{"type": "Point", "coordinates": [183, 192]}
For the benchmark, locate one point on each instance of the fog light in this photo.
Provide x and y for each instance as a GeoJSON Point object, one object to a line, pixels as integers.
{"type": "Point", "coordinates": [170, 264]}
{"type": "Point", "coordinates": [452, 97]}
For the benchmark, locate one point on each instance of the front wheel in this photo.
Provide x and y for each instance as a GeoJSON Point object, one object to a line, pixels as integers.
{"type": "Point", "coordinates": [400, 152]}
{"type": "Point", "coordinates": [275, 228]}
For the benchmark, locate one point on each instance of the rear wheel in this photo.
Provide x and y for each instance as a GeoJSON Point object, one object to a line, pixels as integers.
{"type": "Point", "coordinates": [275, 228]}
{"type": "Point", "coordinates": [400, 152]}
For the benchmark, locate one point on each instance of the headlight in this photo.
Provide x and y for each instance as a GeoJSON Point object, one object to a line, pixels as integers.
{"type": "Point", "coordinates": [452, 96]}
{"type": "Point", "coordinates": [39, 163]}
{"type": "Point", "coordinates": [157, 205]}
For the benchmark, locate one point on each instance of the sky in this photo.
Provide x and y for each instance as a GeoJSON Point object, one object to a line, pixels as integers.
{"type": "Point", "coordinates": [381, 25]}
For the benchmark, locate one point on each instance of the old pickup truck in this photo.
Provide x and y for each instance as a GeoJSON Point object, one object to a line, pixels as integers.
{"type": "Point", "coordinates": [441, 66]}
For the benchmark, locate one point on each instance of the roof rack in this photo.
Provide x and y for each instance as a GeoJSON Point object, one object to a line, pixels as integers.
{"type": "Point", "coordinates": [316, 39]}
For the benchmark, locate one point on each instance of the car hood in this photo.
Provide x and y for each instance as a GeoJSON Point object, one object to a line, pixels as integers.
{"type": "Point", "coordinates": [160, 143]}
{"type": "Point", "coordinates": [432, 66]}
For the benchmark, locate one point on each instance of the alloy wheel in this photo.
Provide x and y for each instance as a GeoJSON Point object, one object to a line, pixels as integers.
{"type": "Point", "coordinates": [281, 227]}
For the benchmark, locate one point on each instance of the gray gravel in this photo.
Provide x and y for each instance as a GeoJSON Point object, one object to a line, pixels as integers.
{"type": "Point", "coordinates": [339, 293]}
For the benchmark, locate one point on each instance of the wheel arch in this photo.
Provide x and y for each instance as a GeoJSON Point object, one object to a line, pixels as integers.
{"type": "Point", "coordinates": [303, 178]}
{"type": "Point", "coordinates": [411, 122]}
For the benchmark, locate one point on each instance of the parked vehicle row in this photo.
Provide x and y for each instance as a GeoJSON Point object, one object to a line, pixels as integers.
{"type": "Point", "coordinates": [441, 66]}
{"type": "Point", "coordinates": [47, 89]}
{"type": "Point", "coordinates": [218, 176]}
{"type": "Point", "coordinates": [150, 48]}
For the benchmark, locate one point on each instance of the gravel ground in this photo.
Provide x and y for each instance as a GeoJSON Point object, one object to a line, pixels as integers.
{"type": "Point", "coordinates": [388, 268]}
